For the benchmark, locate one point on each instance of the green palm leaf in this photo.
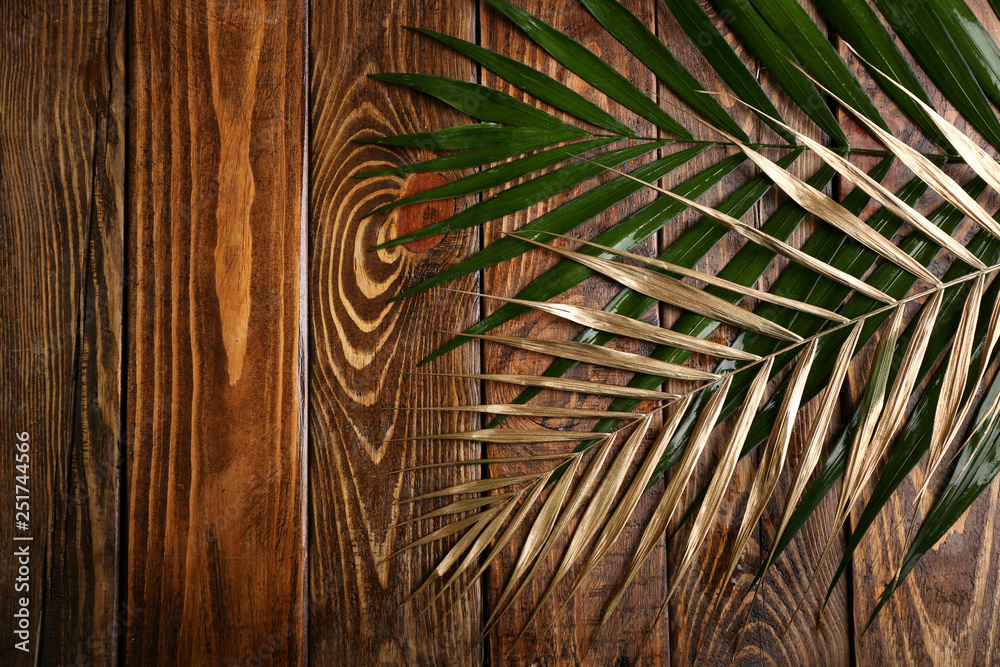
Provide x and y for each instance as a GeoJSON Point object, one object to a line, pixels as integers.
{"type": "Point", "coordinates": [856, 23]}
{"type": "Point", "coordinates": [850, 277]}
{"type": "Point", "coordinates": [589, 67]}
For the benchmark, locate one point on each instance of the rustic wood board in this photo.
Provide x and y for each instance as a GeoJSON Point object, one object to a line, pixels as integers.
{"type": "Point", "coordinates": [61, 221]}
{"type": "Point", "coordinates": [181, 312]}
{"type": "Point", "coordinates": [361, 344]}
{"type": "Point", "coordinates": [216, 364]}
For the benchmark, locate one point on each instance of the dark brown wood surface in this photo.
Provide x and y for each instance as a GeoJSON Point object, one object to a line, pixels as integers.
{"type": "Point", "coordinates": [61, 225]}
{"type": "Point", "coordinates": [190, 303]}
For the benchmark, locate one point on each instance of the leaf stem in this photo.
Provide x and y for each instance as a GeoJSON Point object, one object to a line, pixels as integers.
{"type": "Point", "coordinates": [843, 150]}
{"type": "Point", "coordinates": [792, 346]}
{"type": "Point", "coordinates": [805, 341]}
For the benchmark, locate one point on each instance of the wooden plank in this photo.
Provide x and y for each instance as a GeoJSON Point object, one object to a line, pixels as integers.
{"type": "Point", "coordinates": [361, 344]}
{"type": "Point", "coordinates": [216, 366]}
{"type": "Point", "coordinates": [552, 638]}
{"type": "Point", "coordinates": [693, 632]}
{"type": "Point", "coordinates": [61, 180]}
{"type": "Point", "coordinates": [946, 612]}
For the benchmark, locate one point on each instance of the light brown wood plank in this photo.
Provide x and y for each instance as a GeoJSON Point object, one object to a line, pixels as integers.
{"type": "Point", "coordinates": [216, 365]}
{"type": "Point", "coordinates": [572, 628]}
{"type": "Point", "coordinates": [61, 180]}
{"type": "Point", "coordinates": [361, 343]}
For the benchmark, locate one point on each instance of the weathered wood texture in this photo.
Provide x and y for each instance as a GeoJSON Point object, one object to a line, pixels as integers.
{"type": "Point", "coordinates": [216, 364]}
{"type": "Point", "coordinates": [361, 344]}
{"type": "Point", "coordinates": [171, 281]}
{"type": "Point", "coordinates": [61, 225]}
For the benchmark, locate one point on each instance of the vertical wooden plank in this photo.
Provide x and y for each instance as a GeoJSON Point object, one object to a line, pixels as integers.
{"type": "Point", "coordinates": [551, 638]}
{"type": "Point", "coordinates": [216, 370]}
{"type": "Point", "coordinates": [693, 631]}
{"type": "Point", "coordinates": [61, 178]}
{"type": "Point", "coordinates": [87, 622]}
{"type": "Point", "coordinates": [361, 344]}
{"type": "Point", "coordinates": [946, 612]}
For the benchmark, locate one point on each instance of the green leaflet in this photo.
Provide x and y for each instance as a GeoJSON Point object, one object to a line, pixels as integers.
{"type": "Point", "coordinates": [648, 48]}
{"type": "Point", "coordinates": [727, 64]}
{"type": "Point", "coordinates": [498, 175]}
{"type": "Point", "coordinates": [779, 59]}
{"type": "Point", "coordinates": [972, 41]}
{"type": "Point", "coordinates": [500, 146]}
{"type": "Point", "coordinates": [559, 220]}
{"type": "Point", "coordinates": [465, 137]}
{"type": "Point", "coordinates": [926, 39]}
{"type": "Point", "coordinates": [856, 23]}
{"type": "Point", "coordinates": [479, 102]}
{"type": "Point", "coordinates": [815, 51]}
{"type": "Point", "coordinates": [969, 482]}
{"type": "Point", "coordinates": [589, 67]}
{"type": "Point", "coordinates": [535, 83]}
{"type": "Point", "coordinates": [625, 235]}
{"type": "Point", "coordinates": [525, 194]}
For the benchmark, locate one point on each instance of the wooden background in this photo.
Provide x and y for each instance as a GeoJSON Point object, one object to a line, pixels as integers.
{"type": "Point", "coordinates": [201, 349]}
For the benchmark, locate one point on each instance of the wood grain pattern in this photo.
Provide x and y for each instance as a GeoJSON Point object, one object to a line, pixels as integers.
{"type": "Point", "coordinates": [61, 221]}
{"type": "Point", "coordinates": [361, 344]}
{"type": "Point", "coordinates": [164, 269]}
{"type": "Point", "coordinates": [560, 639]}
{"type": "Point", "coordinates": [216, 366]}
{"type": "Point", "coordinates": [946, 612]}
